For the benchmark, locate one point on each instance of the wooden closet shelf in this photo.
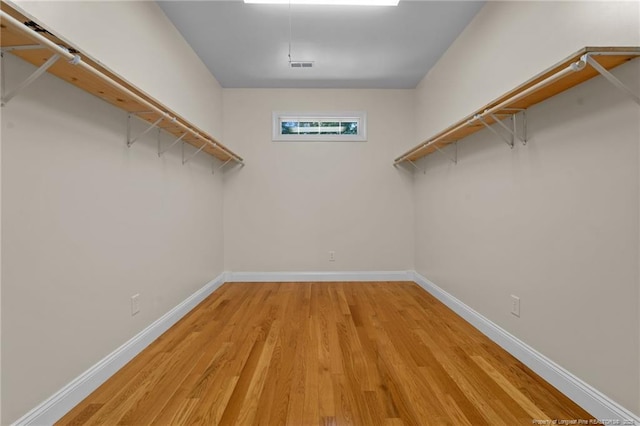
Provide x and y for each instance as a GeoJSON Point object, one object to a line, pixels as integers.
{"type": "Point", "coordinates": [93, 78]}
{"type": "Point", "coordinates": [526, 95]}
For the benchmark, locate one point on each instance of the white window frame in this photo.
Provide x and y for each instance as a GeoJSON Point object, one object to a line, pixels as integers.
{"type": "Point", "coordinates": [361, 116]}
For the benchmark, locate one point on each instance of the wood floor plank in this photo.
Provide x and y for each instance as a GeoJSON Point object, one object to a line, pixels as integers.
{"type": "Point", "coordinates": [383, 353]}
{"type": "Point", "coordinates": [295, 408]}
{"type": "Point", "coordinates": [196, 386]}
{"type": "Point", "coordinates": [509, 388]}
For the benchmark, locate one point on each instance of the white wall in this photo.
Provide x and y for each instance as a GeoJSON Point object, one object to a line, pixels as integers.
{"type": "Point", "coordinates": [554, 222]}
{"type": "Point", "coordinates": [137, 41]}
{"type": "Point", "coordinates": [296, 201]}
{"type": "Point", "coordinates": [89, 222]}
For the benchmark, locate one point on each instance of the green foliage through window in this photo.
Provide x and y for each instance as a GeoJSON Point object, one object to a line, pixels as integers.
{"type": "Point", "coordinates": [326, 126]}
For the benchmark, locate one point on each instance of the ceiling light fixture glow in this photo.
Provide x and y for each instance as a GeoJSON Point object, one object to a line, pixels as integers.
{"type": "Point", "coordinates": [328, 2]}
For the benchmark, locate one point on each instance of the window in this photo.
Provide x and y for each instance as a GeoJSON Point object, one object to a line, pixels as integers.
{"type": "Point", "coordinates": [325, 126]}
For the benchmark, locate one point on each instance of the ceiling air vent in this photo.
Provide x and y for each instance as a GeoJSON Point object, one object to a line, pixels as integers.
{"type": "Point", "coordinates": [301, 64]}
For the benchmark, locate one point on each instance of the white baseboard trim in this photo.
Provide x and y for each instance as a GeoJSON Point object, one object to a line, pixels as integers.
{"type": "Point", "coordinates": [595, 402]}
{"type": "Point", "coordinates": [61, 402]}
{"type": "Point", "coordinates": [319, 276]}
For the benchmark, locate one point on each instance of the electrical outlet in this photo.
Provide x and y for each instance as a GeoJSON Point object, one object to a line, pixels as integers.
{"type": "Point", "coordinates": [135, 304]}
{"type": "Point", "coordinates": [515, 306]}
{"type": "Point", "coordinates": [332, 256]}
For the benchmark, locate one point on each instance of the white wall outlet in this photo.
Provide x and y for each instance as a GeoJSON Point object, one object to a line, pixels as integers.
{"type": "Point", "coordinates": [135, 304]}
{"type": "Point", "coordinates": [332, 256]}
{"type": "Point", "coordinates": [515, 306]}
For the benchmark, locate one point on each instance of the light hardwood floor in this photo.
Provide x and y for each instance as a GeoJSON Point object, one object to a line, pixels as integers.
{"type": "Point", "coordinates": [323, 354]}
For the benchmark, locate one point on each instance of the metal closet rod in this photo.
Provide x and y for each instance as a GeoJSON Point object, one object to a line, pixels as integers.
{"type": "Point", "coordinates": [77, 61]}
{"type": "Point", "coordinates": [573, 67]}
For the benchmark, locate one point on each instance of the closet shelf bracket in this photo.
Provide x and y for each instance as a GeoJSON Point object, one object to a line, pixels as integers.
{"type": "Point", "coordinates": [514, 113]}
{"type": "Point", "coordinates": [186, 160]}
{"type": "Point", "coordinates": [400, 166]}
{"type": "Point", "coordinates": [27, 81]}
{"type": "Point", "coordinates": [508, 141]}
{"type": "Point", "coordinates": [415, 166]}
{"type": "Point", "coordinates": [610, 77]}
{"type": "Point", "coordinates": [454, 158]}
{"type": "Point", "coordinates": [221, 167]}
{"type": "Point", "coordinates": [161, 152]}
{"type": "Point", "coordinates": [513, 131]}
{"type": "Point", "coordinates": [147, 130]}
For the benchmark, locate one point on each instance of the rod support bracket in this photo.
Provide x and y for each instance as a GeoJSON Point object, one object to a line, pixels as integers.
{"type": "Point", "coordinates": [580, 64]}
{"type": "Point", "coordinates": [75, 60]}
